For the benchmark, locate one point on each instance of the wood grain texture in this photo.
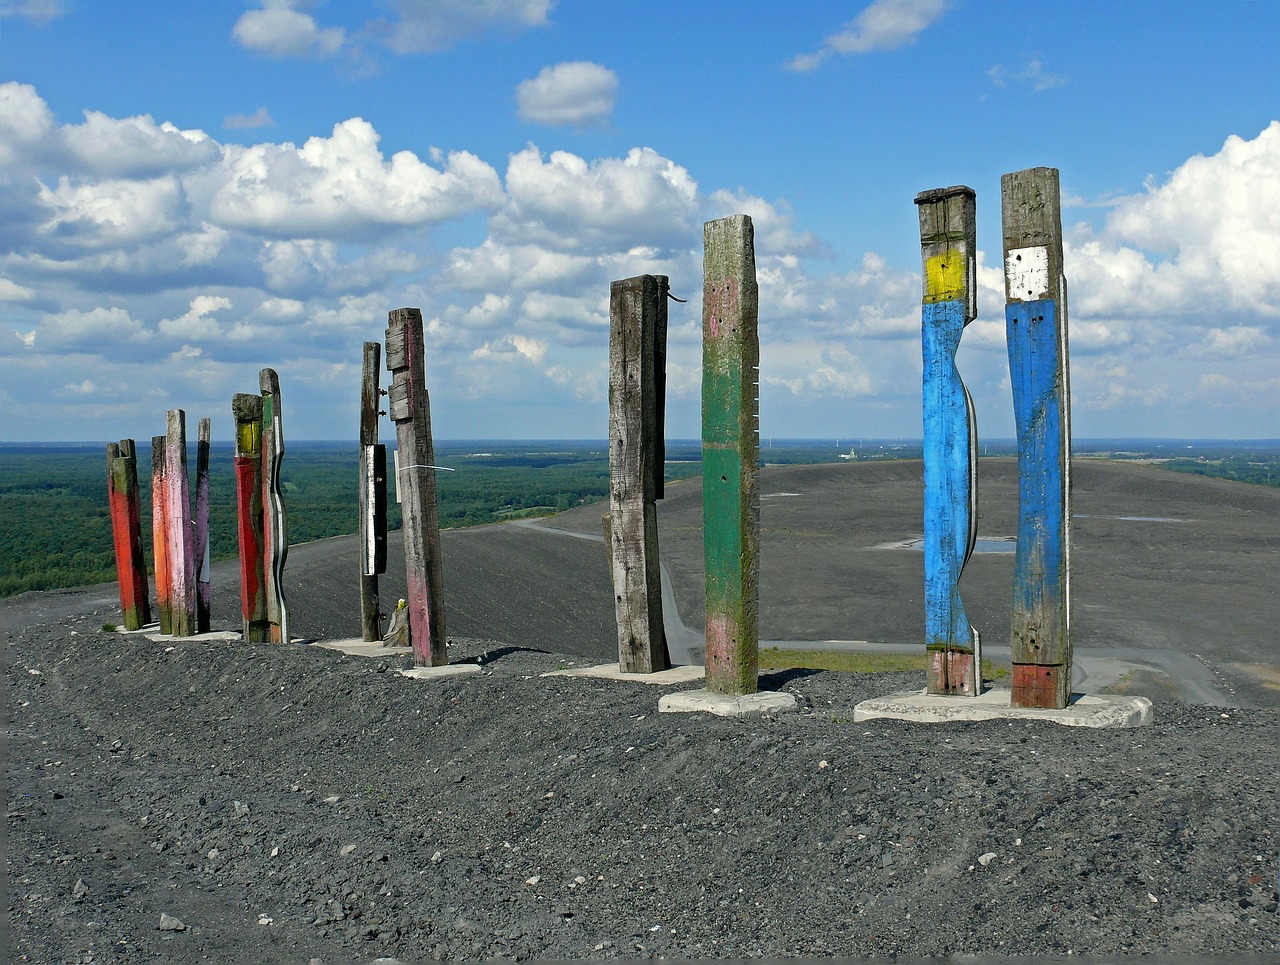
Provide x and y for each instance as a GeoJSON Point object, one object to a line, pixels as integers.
{"type": "Point", "coordinates": [275, 524]}
{"type": "Point", "coordinates": [410, 408]}
{"type": "Point", "coordinates": [731, 455]}
{"type": "Point", "coordinates": [949, 303]}
{"type": "Point", "coordinates": [373, 494]}
{"type": "Point", "coordinates": [637, 312]}
{"type": "Point", "coordinates": [160, 535]}
{"type": "Point", "coordinates": [200, 527]}
{"type": "Point", "coordinates": [126, 532]}
{"type": "Point", "coordinates": [246, 410]}
{"type": "Point", "coordinates": [1036, 330]}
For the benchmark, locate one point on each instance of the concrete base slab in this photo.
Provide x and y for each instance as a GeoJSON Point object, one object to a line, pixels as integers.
{"type": "Point", "coordinates": [438, 673]}
{"type": "Point", "coordinates": [159, 637]}
{"type": "Point", "coordinates": [1085, 710]}
{"type": "Point", "coordinates": [610, 671]}
{"type": "Point", "coordinates": [722, 705]}
{"type": "Point", "coordinates": [357, 647]}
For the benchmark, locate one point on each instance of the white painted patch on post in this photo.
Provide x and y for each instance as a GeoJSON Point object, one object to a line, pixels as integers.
{"type": "Point", "coordinates": [1027, 273]}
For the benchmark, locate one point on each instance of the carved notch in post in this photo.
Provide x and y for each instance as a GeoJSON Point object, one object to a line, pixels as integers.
{"type": "Point", "coordinates": [200, 522]}
{"type": "Point", "coordinates": [948, 248]}
{"type": "Point", "coordinates": [373, 495]}
{"type": "Point", "coordinates": [410, 409]}
{"type": "Point", "coordinates": [275, 529]}
{"type": "Point", "coordinates": [637, 329]}
{"type": "Point", "coordinates": [1036, 327]}
{"type": "Point", "coordinates": [126, 531]}
{"type": "Point", "coordinates": [160, 535]}
{"type": "Point", "coordinates": [731, 454]}
{"type": "Point", "coordinates": [246, 409]}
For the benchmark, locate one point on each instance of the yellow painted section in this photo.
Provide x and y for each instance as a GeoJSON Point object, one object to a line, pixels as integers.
{"type": "Point", "coordinates": [945, 277]}
{"type": "Point", "coordinates": [249, 438]}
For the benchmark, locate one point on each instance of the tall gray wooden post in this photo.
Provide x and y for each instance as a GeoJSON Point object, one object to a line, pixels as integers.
{"type": "Point", "coordinates": [200, 528]}
{"type": "Point", "coordinates": [275, 527]}
{"type": "Point", "coordinates": [637, 327]}
{"type": "Point", "coordinates": [373, 495]}
{"type": "Point", "coordinates": [731, 454]}
{"type": "Point", "coordinates": [1036, 326]}
{"type": "Point", "coordinates": [182, 562]}
{"type": "Point", "coordinates": [410, 409]}
{"type": "Point", "coordinates": [948, 248]}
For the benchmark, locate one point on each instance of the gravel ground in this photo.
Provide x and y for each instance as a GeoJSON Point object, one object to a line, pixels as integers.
{"type": "Point", "coordinates": [198, 801]}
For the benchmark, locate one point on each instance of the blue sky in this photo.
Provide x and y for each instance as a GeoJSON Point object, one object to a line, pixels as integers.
{"type": "Point", "coordinates": [189, 192]}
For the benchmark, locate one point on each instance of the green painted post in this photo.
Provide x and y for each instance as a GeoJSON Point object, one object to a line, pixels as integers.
{"type": "Point", "coordinates": [731, 454]}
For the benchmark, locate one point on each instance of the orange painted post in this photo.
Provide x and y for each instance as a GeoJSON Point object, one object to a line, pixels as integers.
{"type": "Point", "coordinates": [246, 409]}
{"type": "Point", "coordinates": [275, 530]}
{"type": "Point", "coordinates": [160, 534]}
{"type": "Point", "coordinates": [182, 564]}
{"type": "Point", "coordinates": [410, 408]}
{"type": "Point", "coordinates": [200, 523]}
{"type": "Point", "coordinates": [126, 530]}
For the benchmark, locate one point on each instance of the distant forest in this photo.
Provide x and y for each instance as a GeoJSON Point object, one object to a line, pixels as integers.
{"type": "Point", "coordinates": [55, 530]}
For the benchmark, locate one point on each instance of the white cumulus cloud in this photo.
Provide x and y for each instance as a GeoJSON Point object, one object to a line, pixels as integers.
{"type": "Point", "coordinates": [278, 30]}
{"type": "Point", "coordinates": [578, 93]}
{"type": "Point", "coordinates": [883, 25]}
{"type": "Point", "coordinates": [427, 26]}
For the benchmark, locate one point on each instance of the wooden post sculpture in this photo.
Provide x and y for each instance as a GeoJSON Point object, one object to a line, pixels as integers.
{"type": "Point", "coordinates": [246, 409]}
{"type": "Point", "coordinates": [948, 248]}
{"type": "Point", "coordinates": [410, 409]}
{"type": "Point", "coordinates": [373, 496]}
{"type": "Point", "coordinates": [182, 564]}
{"type": "Point", "coordinates": [160, 535]}
{"type": "Point", "coordinates": [731, 454]}
{"type": "Point", "coordinates": [126, 531]}
{"type": "Point", "coordinates": [1036, 326]}
{"type": "Point", "coordinates": [275, 530]}
{"type": "Point", "coordinates": [637, 323]}
{"type": "Point", "coordinates": [200, 522]}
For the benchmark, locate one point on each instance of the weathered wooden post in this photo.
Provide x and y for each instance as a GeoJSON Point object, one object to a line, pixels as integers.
{"type": "Point", "coordinates": [160, 535]}
{"type": "Point", "coordinates": [1036, 326]}
{"type": "Point", "coordinates": [246, 409]}
{"type": "Point", "coordinates": [948, 248]}
{"type": "Point", "coordinates": [275, 530]}
{"type": "Point", "coordinates": [410, 409]}
{"type": "Point", "coordinates": [126, 531]}
{"type": "Point", "coordinates": [182, 564]}
{"type": "Point", "coordinates": [731, 454]}
{"type": "Point", "coordinates": [373, 495]}
{"type": "Point", "coordinates": [200, 521]}
{"type": "Point", "coordinates": [637, 324]}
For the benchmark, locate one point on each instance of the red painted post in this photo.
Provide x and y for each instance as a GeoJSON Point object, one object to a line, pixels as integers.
{"type": "Point", "coordinates": [131, 569]}
{"type": "Point", "coordinates": [160, 535]}
{"type": "Point", "coordinates": [201, 524]}
{"type": "Point", "coordinates": [246, 409]}
{"type": "Point", "coordinates": [410, 409]}
{"type": "Point", "coordinates": [182, 564]}
{"type": "Point", "coordinates": [275, 530]}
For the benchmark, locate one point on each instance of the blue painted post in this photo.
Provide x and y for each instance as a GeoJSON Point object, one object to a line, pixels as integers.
{"type": "Point", "coordinates": [948, 249]}
{"type": "Point", "coordinates": [1036, 325]}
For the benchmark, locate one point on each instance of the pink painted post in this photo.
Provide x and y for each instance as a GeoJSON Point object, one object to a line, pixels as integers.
{"type": "Point", "coordinates": [182, 564]}
{"type": "Point", "coordinates": [160, 535]}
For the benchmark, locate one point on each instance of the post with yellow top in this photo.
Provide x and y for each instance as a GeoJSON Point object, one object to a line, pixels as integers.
{"type": "Point", "coordinates": [948, 249]}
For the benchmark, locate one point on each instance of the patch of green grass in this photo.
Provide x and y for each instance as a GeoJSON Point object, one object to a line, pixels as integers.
{"type": "Point", "coordinates": [110, 627]}
{"type": "Point", "coordinates": [860, 661]}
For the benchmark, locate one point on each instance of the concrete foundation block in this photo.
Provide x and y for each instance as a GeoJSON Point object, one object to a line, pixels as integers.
{"type": "Point", "coordinates": [610, 671]}
{"type": "Point", "coordinates": [438, 673]}
{"type": "Point", "coordinates": [1085, 710]}
{"type": "Point", "coordinates": [722, 705]}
